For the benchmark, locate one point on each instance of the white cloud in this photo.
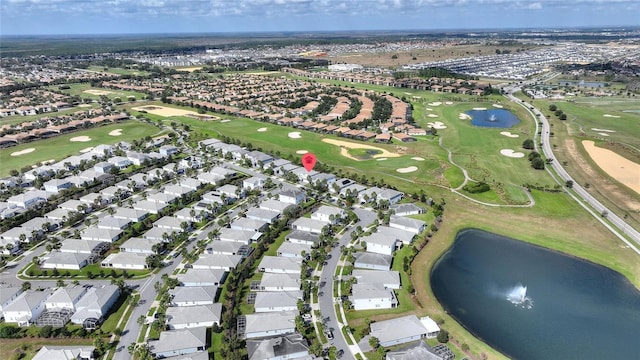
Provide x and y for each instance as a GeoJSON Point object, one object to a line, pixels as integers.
{"type": "Point", "coordinates": [535, 6]}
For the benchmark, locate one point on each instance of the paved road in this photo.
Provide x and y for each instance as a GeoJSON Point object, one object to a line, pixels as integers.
{"type": "Point", "coordinates": [326, 302]}
{"type": "Point", "coordinates": [617, 222]}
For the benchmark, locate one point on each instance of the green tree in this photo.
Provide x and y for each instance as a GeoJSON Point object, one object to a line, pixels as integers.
{"type": "Point", "coordinates": [443, 336]}
{"type": "Point", "coordinates": [374, 342]}
{"type": "Point", "coordinates": [528, 144]}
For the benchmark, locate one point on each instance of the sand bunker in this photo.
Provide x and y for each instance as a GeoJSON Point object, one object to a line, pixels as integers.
{"type": "Point", "coordinates": [225, 121]}
{"type": "Point", "coordinates": [164, 111]}
{"type": "Point", "coordinates": [479, 108]}
{"type": "Point", "coordinates": [302, 152]}
{"type": "Point", "coordinates": [382, 159]}
{"type": "Point", "coordinates": [294, 135]}
{"type": "Point", "coordinates": [86, 150]}
{"type": "Point", "coordinates": [190, 69]}
{"type": "Point", "coordinates": [417, 158]}
{"type": "Point", "coordinates": [603, 134]}
{"type": "Point", "coordinates": [437, 103]}
{"type": "Point", "coordinates": [611, 116]}
{"type": "Point", "coordinates": [448, 102]}
{"type": "Point", "coordinates": [623, 170]}
{"type": "Point", "coordinates": [84, 105]}
{"type": "Point", "coordinates": [437, 125]}
{"type": "Point", "coordinates": [428, 109]}
{"type": "Point", "coordinates": [80, 139]}
{"type": "Point", "coordinates": [22, 152]}
{"type": "Point", "coordinates": [97, 92]}
{"type": "Point", "coordinates": [345, 145]}
{"type": "Point", "coordinates": [116, 132]}
{"type": "Point", "coordinates": [407, 169]}
{"type": "Point", "coordinates": [432, 115]}
{"type": "Point", "coordinates": [509, 134]}
{"type": "Point", "coordinates": [512, 154]}
{"type": "Point", "coordinates": [464, 116]}
{"type": "Point", "coordinates": [603, 130]}
{"type": "Point", "coordinates": [498, 106]}
{"type": "Point", "coordinates": [262, 129]}
{"type": "Point", "coordinates": [47, 162]}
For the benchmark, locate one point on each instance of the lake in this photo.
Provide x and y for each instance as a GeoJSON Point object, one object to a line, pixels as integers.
{"type": "Point", "coordinates": [532, 303]}
{"type": "Point", "coordinates": [495, 118]}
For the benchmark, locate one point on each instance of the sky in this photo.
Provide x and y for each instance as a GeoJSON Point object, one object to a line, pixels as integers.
{"type": "Point", "coordinates": [49, 17]}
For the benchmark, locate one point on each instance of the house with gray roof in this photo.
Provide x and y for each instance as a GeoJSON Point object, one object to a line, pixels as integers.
{"type": "Point", "coordinates": [407, 209]}
{"type": "Point", "coordinates": [241, 236]}
{"type": "Point", "coordinates": [225, 247]}
{"type": "Point", "coordinates": [179, 342]}
{"type": "Point", "coordinates": [202, 277]}
{"type": "Point", "coordinates": [270, 301]}
{"type": "Point", "coordinates": [249, 224]}
{"type": "Point", "coordinates": [163, 198]}
{"type": "Point", "coordinates": [26, 307]}
{"type": "Point", "coordinates": [419, 351]}
{"type": "Point", "coordinates": [407, 224]}
{"type": "Point", "coordinates": [372, 296]}
{"type": "Point", "coordinates": [170, 223]}
{"type": "Point", "coordinates": [149, 206]}
{"type": "Point", "coordinates": [110, 222]}
{"type": "Point", "coordinates": [133, 215]}
{"type": "Point", "coordinates": [380, 244]}
{"type": "Point", "coordinates": [399, 330]}
{"type": "Point", "coordinates": [372, 261]}
{"type": "Point", "coordinates": [292, 346]}
{"type": "Point", "coordinates": [158, 234]}
{"type": "Point", "coordinates": [193, 295]}
{"type": "Point", "coordinates": [95, 304]}
{"type": "Point", "coordinates": [328, 214]}
{"type": "Point", "coordinates": [274, 205]}
{"type": "Point", "coordinates": [292, 196]}
{"type": "Point", "coordinates": [261, 325]}
{"type": "Point", "coordinates": [139, 246]}
{"type": "Point", "coordinates": [65, 298]}
{"type": "Point", "coordinates": [96, 234]}
{"type": "Point", "coordinates": [178, 190]}
{"type": "Point", "coordinates": [302, 237]}
{"type": "Point", "coordinates": [80, 246]}
{"type": "Point", "coordinates": [187, 317]}
{"type": "Point", "coordinates": [267, 216]}
{"type": "Point", "coordinates": [8, 293]}
{"type": "Point", "coordinates": [390, 279]}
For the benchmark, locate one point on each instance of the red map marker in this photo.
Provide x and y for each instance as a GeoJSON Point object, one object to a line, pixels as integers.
{"type": "Point", "coordinates": [308, 161]}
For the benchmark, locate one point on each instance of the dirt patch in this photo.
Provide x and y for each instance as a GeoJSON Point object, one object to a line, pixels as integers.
{"type": "Point", "coordinates": [164, 111]}
{"type": "Point", "coordinates": [345, 145]}
{"type": "Point", "coordinates": [602, 185]}
{"type": "Point", "coordinates": [97, 92]}
{"type": "Point", "coordinates": [623, 170]}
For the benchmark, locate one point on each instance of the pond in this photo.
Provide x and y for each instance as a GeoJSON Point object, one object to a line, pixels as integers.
{"type": "Point", "coordinates": [532, 303]}
{"type": "Point", "coordinates": [495, 118]}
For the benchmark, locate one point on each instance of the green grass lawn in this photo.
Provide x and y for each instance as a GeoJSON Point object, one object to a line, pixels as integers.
{"type": "Point", "coordinates": [18, 119]}
{"type": "Point", "coordinates": [60, 147]}
{"type": "Point", "coordinates": [119, 71]}
{"type": "Point", "coordinates": [79, 89]}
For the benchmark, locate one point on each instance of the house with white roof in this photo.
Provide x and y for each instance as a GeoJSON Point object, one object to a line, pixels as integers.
{"type": "Point", "coordinates": [372, 296]}
{"type": "Point", "coordinates": [111, 222]}
{"type": "Point", "coordinates": [193, 295]}
{"type": "Point", "coordinates": [292, 196]}
{"type": "Point", "coordinates": [65, 260]}
{"type": "Point", "coordinates": [253, 183]}
{"type": "Point", "coordinates": [261, 325]}
{"type": "Point", "coordinates": [65, 298]}
{"type": "Point", "coordinates": [96, 234]}
{"type": "Point", "coordinates": [407, 209]}
{"type": "Point", "coordinates": [202, 277]}
{"type": "Point", "coordinates": [8, 293]}
{"type": "Point", "coordinates": [57, 185]}
{"type": "Point", "coordinates": [380, 244]}
{"type": "Point", "coordinates": [277, 282]}
{"type": "Point", "coordinates": [292, 346]}
{"type": "Point", "coordinates": [309, 225]}
{"type": "Point", "coordinates": [163, 198]}
{"type": "Point", "coordinates": [124, 260]}
{"type": "Point", "coordinates": [217, 261]}
{"type": "Point", "coordinates": [228, 248]}
{"type": "Point", "coordinates": [270, 301]}
{"type": "Point", "coordinates": [71, 352]}
{"type": "Point", "coordinates": [79, 246]}
{"type": "Point", "coordinates": [289, 249]}
{"type": "Point", "coordinates": [149, 206]}
{"type": "Point", "coordinates": [188, 317]}
{"type": "Point", "coordinates": [133, 215]}
{"type": "Point", "coordinates": [28, 198]}
{"type": "Point", "coordinates": [25, 309]}
{"type": "Point", "coordinates": [268, 216]}
{"type": "Point", "coordinates": [120, 162]}
{"type": "Point", "coordinates": [274, 205]}
{"type": "Point", "coordinates": [278, 264]}
{"type": "Point", "coordinates": [179, 342]}
{"type": "Point", "coordinates": [328, 214]}
{"type": "Point", "coordinates": [139, 246]}
{"type": "Point", "coordinates": [94, 305]}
